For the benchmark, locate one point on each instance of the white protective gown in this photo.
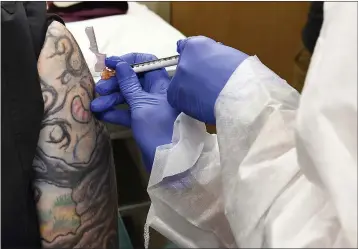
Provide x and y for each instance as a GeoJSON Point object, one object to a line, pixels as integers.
{"type": "Point", "coordinates": [282, 170]}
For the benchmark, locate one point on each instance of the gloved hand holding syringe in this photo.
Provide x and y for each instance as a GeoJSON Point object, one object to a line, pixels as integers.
{"type": "Point", "coordinates": [106, 73]}
{"type": "Point", "coordinates": [154, 99]}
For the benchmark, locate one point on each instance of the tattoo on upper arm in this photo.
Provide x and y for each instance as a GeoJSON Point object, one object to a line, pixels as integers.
{"type": "Point", "coordinates": [75, 185]}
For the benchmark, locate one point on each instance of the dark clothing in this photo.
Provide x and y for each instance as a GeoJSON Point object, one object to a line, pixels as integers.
{"type": "Point", "coordinates": [23, 29]}
{"type": "Point", "coordinates": [310, 34]}
{"type": "Point", "coordinates": [89, 10]}
{"type": "Point", "coordinates": [313, 26]}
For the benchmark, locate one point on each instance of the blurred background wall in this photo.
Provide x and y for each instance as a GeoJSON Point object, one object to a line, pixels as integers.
{"type": "Point", "coordinates": [271, 30]}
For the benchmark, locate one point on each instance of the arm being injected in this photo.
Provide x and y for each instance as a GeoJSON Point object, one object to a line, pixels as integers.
{"type": "Point", "coordinates": [75, 180]}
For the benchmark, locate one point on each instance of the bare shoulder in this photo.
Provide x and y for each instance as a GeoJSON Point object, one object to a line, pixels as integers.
{"type": "Point", "coordinates": [75, 180]}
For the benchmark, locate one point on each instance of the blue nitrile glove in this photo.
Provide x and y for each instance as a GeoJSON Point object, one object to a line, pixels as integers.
{"type": "Point", "coordinates": [204, 68]}
{"type": "Point", "coordinates": [150, 116]}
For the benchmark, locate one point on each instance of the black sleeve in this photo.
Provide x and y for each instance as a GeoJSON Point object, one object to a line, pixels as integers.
{"type": "Point", "coordinates": [23, 29]}
{"type": "Point", "coordinates": [313, 26]}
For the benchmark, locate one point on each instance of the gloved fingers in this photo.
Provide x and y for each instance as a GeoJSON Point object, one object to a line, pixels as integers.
{"type": "Point", "coordinates": [132, 58]}
{"type": "Point", "coordinates": [104, 87]}
{"type": "Point", "coordinates": [181, 44]}
{"type": "Point", "coordinates": [156, 81]}
{"type": "Point", "coordinates": [106, 102]}
{"type": "Point", "coordinates": [116, 116]}
{"type": "Point", "coordinates": [112, 61]}
{"type": "Point", "coordinates": [173, 96]}
{"type": "Point", "coordinates": [128, 81]}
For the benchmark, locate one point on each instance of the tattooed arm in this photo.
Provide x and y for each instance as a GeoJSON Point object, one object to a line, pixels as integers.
{"type": "Point", "coordinates": [75, 181]}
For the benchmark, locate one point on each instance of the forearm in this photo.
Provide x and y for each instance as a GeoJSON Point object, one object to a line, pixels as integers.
{"type": "Point", "coordinates": [253, 98]}
{"type": "Point", "coordinates": [255, 91]}
{"type": "Point", "coordinates": [256, 113]}
{"type": "Point", "coordinates": [228, 179]}
{"type": "Point", "coordinates": [75, 180]}
{"type": "Point", "coordinates": [77, 209]}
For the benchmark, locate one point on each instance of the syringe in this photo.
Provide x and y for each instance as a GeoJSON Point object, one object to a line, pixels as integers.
{"type": "Point", "coordinates": [155, 64]}
{"type": "Point", "coordinates": [138, 67]}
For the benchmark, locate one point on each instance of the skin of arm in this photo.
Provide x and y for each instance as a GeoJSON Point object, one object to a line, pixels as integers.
{"type": "Point", "coordinates": [75, 185]}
